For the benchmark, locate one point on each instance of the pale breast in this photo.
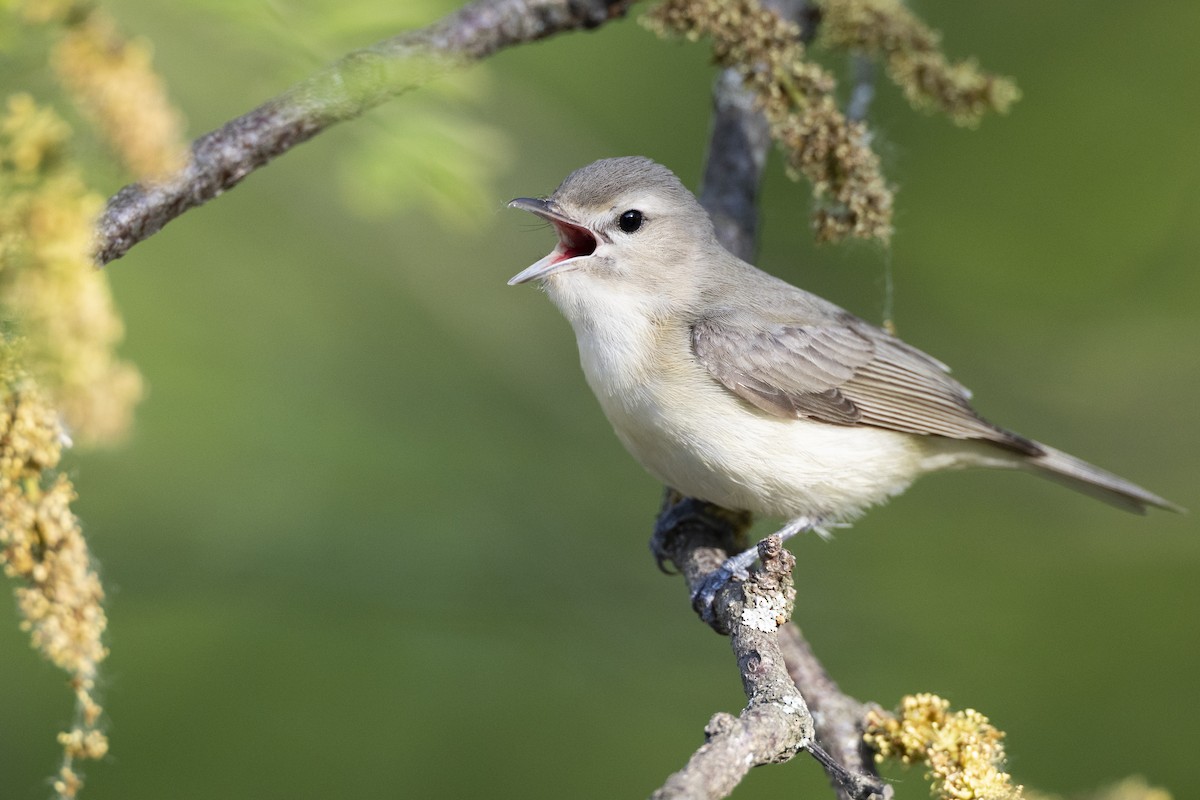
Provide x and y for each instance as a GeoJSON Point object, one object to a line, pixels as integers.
{"type": "Point", "coordinates": [698, 437]}
{"type": "Point", "coordinates": [695, 435]}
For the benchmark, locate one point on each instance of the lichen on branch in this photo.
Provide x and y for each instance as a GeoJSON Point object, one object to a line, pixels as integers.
{"type": "Point", "coordinates": [962, 749]}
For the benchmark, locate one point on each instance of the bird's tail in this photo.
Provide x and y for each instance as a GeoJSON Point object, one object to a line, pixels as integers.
{"type": "Point", "coordinates": [1083, 477]}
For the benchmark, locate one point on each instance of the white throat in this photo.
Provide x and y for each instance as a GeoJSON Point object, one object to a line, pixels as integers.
{"type": "Point", "coordinates": [618, 330]}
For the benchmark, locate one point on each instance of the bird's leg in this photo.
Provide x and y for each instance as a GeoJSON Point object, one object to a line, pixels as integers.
{"type": "Point", "coordinates": [680, 516]}
{"type": "Point", "coordinates": [737, 566]}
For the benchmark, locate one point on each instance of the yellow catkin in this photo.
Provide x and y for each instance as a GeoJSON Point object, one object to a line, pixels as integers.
{"type": "Point", "coordinates": [962, 750]}
{"type": "Point", "coordinates": [115, 85]}
{"type": "Point", "coordinates": [48, 283]}
{"type": "Point", "coordinates": [887, 29]}
{"type": "Point", "coordinates": [37, 11]}
{"type": "Point", "coordinates": [1134, 788]}
{"type": "Point", "coordinates": [796, 96]}
{"type": "Point", "coordinates": [42, 548]}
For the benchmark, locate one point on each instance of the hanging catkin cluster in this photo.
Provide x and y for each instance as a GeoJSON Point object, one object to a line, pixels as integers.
{"type": "Point", "coordinates": [885, 29]}
{"type": "Point", "coordinates": [112, 82]}
{"type": "Point", "coordinates": [797, 95]}
{"type": "Point", "coordinates": [42, 548]}
{"type": "Point", "coordinates": [60, 376]}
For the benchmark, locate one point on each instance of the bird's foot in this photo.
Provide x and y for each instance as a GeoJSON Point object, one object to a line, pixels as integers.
{"type": "Point", "coordinates": [704, 596]}
{"type": "Point", "coordinates": [682, 516]}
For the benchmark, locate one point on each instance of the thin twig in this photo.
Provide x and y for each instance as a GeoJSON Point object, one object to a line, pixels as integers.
{"type": "Point", "coordinates": [839, 718]}
{"type": "Point", "coordinates": [356, 83]}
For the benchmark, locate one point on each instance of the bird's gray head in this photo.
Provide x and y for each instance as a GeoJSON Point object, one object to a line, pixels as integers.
{"type": "Point", "coordinates": [624, 223]}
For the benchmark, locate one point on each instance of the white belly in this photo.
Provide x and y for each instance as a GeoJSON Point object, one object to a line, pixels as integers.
{"type": "Point", "coordinates": [696, 436]}
{"type": "Point", "coordinates": [711, 445]}
{"type": "Point", "coordinates": [699, 438]}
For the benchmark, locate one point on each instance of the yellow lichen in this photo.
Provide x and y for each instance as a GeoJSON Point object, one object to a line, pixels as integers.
{"type": "Point", "coordinates": [796, 96]}
{"type": "Point", "coordinates": [963, 751]}
{"type": "Point", "coordinates": [42, 548]}
{"type": "Point", "coordinates": [886, 29]}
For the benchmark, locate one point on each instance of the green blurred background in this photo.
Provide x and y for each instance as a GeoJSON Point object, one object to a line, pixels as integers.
{"type": "Point", "coordinates": [373, 537]}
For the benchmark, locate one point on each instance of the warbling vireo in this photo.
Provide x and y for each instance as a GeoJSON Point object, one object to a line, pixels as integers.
{"type": "Point", "coordinates": [735, 387]}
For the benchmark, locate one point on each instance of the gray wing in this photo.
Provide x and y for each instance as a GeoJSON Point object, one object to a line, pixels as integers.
{"type": "Point", "coordinates": [844, 372]}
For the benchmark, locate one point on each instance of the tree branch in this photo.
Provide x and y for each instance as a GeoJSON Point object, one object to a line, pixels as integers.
{"type": "Point", "coordinates": [355, 84]}
{"type": "Point", "coordinates": [776, 724]}
{"type": "Point", "coordinates": [736, 154]}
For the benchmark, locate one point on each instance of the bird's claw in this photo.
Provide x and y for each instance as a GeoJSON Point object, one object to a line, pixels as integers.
{"type": "Point", "coordinates": [704, 596]}
{"type": "Point", "coordinates": [675, 520]}
{"type": "Point", "coordinates": [737, 567]}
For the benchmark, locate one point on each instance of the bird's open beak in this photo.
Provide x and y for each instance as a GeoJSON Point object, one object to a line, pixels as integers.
{"type": "Point", "coordinates": [574, 241]}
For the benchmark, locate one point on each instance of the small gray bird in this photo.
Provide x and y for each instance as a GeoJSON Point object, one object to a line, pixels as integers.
{"type": "Point", "coordinates": [735, 387]}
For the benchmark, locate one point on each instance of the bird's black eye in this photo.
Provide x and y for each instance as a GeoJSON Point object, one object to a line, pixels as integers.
{"type": "Point", "coordinates": [630, 221]}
